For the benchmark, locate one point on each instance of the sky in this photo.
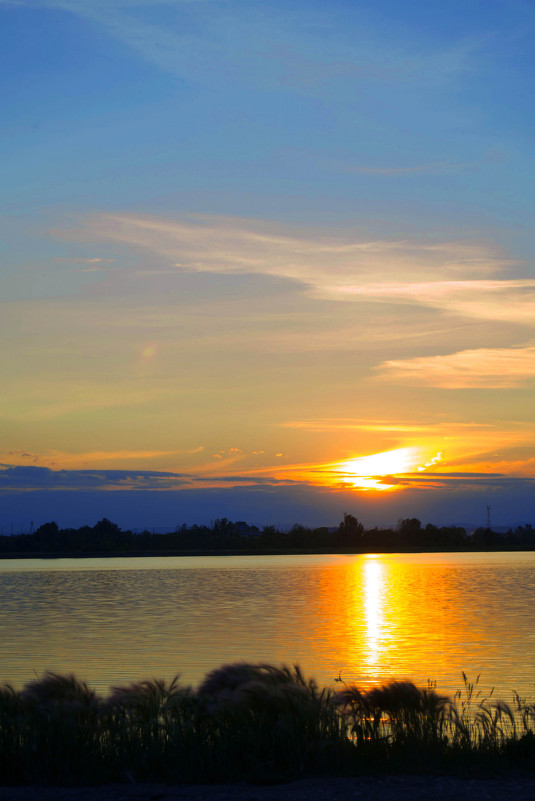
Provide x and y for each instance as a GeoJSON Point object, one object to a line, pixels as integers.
{"type": "Point", "coordinates": [271, 261]}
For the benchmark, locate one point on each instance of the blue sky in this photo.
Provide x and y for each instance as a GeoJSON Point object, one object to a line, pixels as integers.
{"type": "Point", "coordinates": [183, 103]}
{"type": "Point", "coordinates": [249, 239]}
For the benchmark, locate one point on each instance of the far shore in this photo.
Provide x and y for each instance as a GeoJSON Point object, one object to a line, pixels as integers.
{"type": "Point", "coordinates": [241, 552]}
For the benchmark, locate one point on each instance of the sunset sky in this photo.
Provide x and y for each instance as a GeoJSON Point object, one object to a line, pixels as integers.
{"type": "Point", "coordinates": [267, 260]}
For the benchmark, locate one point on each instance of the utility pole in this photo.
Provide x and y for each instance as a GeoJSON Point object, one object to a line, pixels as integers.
{"type": "Point", "coordinates": [488, 517]}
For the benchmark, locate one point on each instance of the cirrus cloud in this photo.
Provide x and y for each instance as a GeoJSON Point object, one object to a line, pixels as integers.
{"type": "Point", "coordinates": [459, 277]}
{"type": "Point", "coordinates": [499, 368]}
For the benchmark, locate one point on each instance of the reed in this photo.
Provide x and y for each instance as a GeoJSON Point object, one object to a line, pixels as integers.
{"type": "Point", "coordinates": [258, 723]}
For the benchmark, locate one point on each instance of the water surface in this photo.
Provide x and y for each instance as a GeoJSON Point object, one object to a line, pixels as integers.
{"type": "Point", "coordinates": [366, 618]}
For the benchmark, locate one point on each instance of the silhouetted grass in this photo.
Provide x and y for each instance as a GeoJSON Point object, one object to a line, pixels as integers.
{"type": "Point", "coordinates": [258, 723]}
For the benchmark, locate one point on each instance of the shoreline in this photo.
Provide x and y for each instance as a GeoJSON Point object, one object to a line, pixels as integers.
{"type": "Point", "coordinates": [242, 552]}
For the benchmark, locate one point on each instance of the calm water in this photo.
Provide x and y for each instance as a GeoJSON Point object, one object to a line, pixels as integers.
{"type": "Point", "coordinates": [368, 618]}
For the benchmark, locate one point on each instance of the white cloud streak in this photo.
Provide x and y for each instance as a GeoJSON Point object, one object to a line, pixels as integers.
{"type": "Point", "coordinates": [507, 300]}
{"type": "Point", "coordinates": [458, 277]}
{"type": "Point", "coordinates": [500, 368]}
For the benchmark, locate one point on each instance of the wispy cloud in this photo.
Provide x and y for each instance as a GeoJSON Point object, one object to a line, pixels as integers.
{"type": "Point", "coordinates": [270, 49]}
{"type": "Point", "coordinates": [352, 424]}
{"type": "Point", "coordinates": [505, 300]}
{"type": "Point", "coordinates": [461, 277]}
{"type": "Point", "coordinates": [83, 260]}
{"type": "Point", "coordinates": [500, 368]}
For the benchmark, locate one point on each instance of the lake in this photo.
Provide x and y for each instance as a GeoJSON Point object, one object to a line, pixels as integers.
{"type": "Point", "coordinates": [366, 618]}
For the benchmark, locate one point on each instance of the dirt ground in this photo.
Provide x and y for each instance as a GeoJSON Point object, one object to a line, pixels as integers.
{"type": "Point", "coordinates": [390, 788]}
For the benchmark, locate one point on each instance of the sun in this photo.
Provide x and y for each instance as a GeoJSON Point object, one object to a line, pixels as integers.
{"type": "Point", "coordinates": [366, 472]}
{"type": "Point", "coordinates": [381, 471]}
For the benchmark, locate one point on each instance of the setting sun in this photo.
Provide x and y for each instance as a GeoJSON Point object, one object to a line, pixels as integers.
{"type": "Point", "coordinates": [366, 472]}
{"type": "Point", "coordinates": [376, 471]}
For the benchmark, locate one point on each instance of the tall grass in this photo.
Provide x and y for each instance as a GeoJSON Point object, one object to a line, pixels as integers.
{"type": "Point", "coordinates": [253, 722]}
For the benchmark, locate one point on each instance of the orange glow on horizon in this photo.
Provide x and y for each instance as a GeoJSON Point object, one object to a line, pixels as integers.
{"type": "Point", "coordinates": [372, 472]}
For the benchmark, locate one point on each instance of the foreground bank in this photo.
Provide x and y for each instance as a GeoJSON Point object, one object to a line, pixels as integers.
{"type": "Point", "coordinates": [368, 788]}
{"type": "Point", "coordinates": [255, 723]}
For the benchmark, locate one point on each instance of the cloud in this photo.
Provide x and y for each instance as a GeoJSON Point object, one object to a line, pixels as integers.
{"type": "Point", "coordinates": [88, 265]}
{"type": "Point", "coordinates": [73, 487]}
{"type": "Point", "coordinates": [460, 481]}
{"type": "Point", "coordinates": [25, 478]}
{"type": "Point", "coordinates": [352, 424]}
{"type": "Point", "coordinates": [502, 300]}
{"type": "Point", "coordinates": [81, 260]}
{"type": "Point", "coordinates": [208, 42]}
{"type": "Point", "coordinates": [23, 455]}
{"type": "Point", "coordinates": [500, 368]}
{"type": "Point", "coordinates": [204, 243]}
{"type": "Point", "coordinates": [34, 478]}
{"type": "Point", "coordinates": [461, 277]}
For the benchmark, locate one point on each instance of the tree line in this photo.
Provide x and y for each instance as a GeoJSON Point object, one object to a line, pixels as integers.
{"type": "Point", "coordinates": [223, 535]}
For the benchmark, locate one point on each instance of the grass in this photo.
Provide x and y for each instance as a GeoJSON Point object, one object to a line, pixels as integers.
{"type": "Point", "coordinates": [257, 723]}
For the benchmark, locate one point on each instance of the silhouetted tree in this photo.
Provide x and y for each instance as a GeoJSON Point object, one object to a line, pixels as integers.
{"type": "Point", "coordinates": [411, 534]}
{"type": "Point", "coordinates": [105, 526]}
{"type": "Point", "coordinates": [409, 524]}
{"type": "Point", "coordinates": [224, 526]}
{"type": "Point", "coordinates": [48, 528]}
{"type": "Point", "coordinates": [350, 532]}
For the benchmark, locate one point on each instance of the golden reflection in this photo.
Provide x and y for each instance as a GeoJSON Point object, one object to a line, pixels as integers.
{"type": "Point", "coordinates": [373, 609]}
{"type": "Point", "coordinates": [382, 617]}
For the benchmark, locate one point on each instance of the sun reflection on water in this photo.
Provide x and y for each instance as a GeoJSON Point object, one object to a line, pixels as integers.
{"type": "Point", "coordinates": [373, 610]}
{"type": "Point", "coordinates": [395, 619]}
